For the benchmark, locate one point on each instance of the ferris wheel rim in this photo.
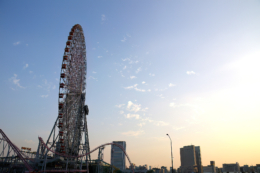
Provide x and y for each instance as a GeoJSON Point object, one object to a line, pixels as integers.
{"type": "Point", "coordinates": [66, 84]}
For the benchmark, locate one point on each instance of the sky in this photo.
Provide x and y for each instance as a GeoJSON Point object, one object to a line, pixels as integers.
{"type": "Point", "coordinates": [189, 69]}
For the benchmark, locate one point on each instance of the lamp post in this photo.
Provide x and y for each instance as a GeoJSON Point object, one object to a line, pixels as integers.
{"type": "Point", "coordinates": [171, 150]}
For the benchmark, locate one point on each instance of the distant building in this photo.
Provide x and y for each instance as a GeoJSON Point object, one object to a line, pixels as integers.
{"type": "Point", "coordinates": [258, 168]}
{"type": "Point", "coordinates": [178, 170]}
{"type": "Point", "coordinates": [210, 168]}
{"type": "Point", "coordinates": [137, 169]}
{"type": "Point", "coordinates": [164, 169]}
{"type": "Point", "coordinates": [191, 159]}
{"type": "Point", "coordinates": [172, 171]}
{"type": "Point", "coordinates": [245, 168]}
{"type": "Point", "coordinates": [118, 156]}
{"type": "Point", "coordinates": [156, 170]}
{"type": "Point", "coordinates": [150, 167]}
{"type": "Point", "coordinates": [231, 168]}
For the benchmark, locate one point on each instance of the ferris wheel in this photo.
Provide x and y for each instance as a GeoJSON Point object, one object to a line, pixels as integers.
{"type": "Point", "coordinates": [72, 112]}
{"type": "Point", "coordinates": [70, 134]}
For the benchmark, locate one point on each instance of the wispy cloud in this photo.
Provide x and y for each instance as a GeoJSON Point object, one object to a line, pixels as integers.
{"type": "Point", "coordinates": [16, 43]}
{"type": "Point", "coordinates": [190, 72]}
{"type": "Point", "coordinates": [133, 107]}
{"type": "Point", "coordinates": [99, 56]}
{"type": "Point", "coordinates": [150, 74]}
{"type": "Point", "coordinates": [124, 67]}
{"type": "Point", "coordinates": [126, 59]}
{"type": "Point", "coordinates": [124, 39]}
{"type": "Point", "coordinates": [30, 72]}
{"type": "Point", "coordinates": [16, 81]}
{"type": "Point", "coordinates": [103, 17]}
{"type": "Point", "coordinates": [44, 96]}
{"type": "Point", "coordinates": [157, 123]}
{"type": "Point", "coordinates": [135, 88]}
{"type": "Point", "coordinates": [136, 116]}
{"type": "Point", "coordinates": [161, 96]}
{"type": "Point", "coordinates": [178, 128]}
{"type": "Point", "coordinates": [121, 112]}
{"type": "Point", "coordinates": [94, 72]}
{"type": "Point", "coordinates": [161, 123]}
{"type": "Point", "coordinates": [172, 104]}
{"type": "Point", "coordinates": [171, 85]}
{"type": "Point", "coordinates": [120, 105]}
{"type": "Point", "coordinates": [141, 124]}
{"type": "Point", "coordinates": [91, 77]}
{"type": "Point", "coordinates": [132, 77]}
{"type": "Point", "coordinates": [133, 133]}
{"type": "Point", "coordinates": [130, 61]}
{"type": "Point", "coordinates": [25, 66]}
{"type": "Point", "coordinates": [121, 73]}
{"type": "Point", "coordinates": [46, 85]}
{"type": "Point", "coordinates": [131, 87]}
{"type": "Point", "coordinates": [138, 70]}
{"type": "Point", "coordinates": [143, 82]}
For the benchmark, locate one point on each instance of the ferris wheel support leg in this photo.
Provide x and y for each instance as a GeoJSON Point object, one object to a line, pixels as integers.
{"type": "Point", "coordinates": [53, 129]}
{"type": "Point", "coordinates": [87, 149]}
{"type": "Point", "coordinates": [45, 162]}
{"type": "Point", "coordinates": [67, 164]}
{"type": "Point", "coordinates": [87, 166]}
{"type": "Point", "coordinates": [38, 150]}
{"type": "Point", "coordinates": [81, 163]}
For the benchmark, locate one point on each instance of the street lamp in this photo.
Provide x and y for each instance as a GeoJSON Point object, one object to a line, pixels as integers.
{"type": "Point", "coordinates": [171, 150]}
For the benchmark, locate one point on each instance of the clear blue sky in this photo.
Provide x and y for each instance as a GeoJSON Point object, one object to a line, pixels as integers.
{"type": "Point", "coordinates": [186, 68]}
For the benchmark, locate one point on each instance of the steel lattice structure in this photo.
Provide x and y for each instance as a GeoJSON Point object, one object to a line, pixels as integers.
{"type": "Point", "coordinates": [68, 142]}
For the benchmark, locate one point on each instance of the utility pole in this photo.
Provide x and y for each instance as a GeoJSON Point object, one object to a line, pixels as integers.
{"type": "Point", "coordinates": [171, 150]}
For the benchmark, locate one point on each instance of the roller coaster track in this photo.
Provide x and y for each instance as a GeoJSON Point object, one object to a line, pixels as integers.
{"type": "Point", "coordinates": [30, 169]}
{"type": "Point", "coordinates": [17, 151]}
{"type": "Point", "coordinates": [68, 156]}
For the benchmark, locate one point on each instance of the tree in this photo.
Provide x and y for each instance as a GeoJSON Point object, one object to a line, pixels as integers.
{"type": "Point", "coordinates": [150, 171]}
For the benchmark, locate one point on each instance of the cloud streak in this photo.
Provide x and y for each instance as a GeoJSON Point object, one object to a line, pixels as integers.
{"type": "Point", "coordinates": [190, 72]}
{"type": "Point", "coordinates": [135, 88]}
{"type": "Point", "coordinates": [171, 85]}
{"type": "Point", "coordinates": [133, 107]}
{"type": "Point", "coordinates": [16, 43]}
{"type": "Point", "coordinates": [25, 66]}
{"type": "Point", "coordinates": [16, 81]}
{"type": "Point", "coordinates": [103, 17]}
{"type": "Point", "coordinates": [133, 133]}
{"type": "Point", "coordinates": [129, 116]}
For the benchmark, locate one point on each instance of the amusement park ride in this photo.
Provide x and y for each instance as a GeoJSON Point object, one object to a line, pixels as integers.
{"type": "Point", "coordinates": [67, 147]}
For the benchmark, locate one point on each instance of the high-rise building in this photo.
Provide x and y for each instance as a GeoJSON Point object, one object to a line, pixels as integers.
{"type": "Point", "coordinates": [118, 156]}
{"type": "Point", "coordinates": [198, 159]}
{"type": "Point", "coordinates": [191, 159]}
